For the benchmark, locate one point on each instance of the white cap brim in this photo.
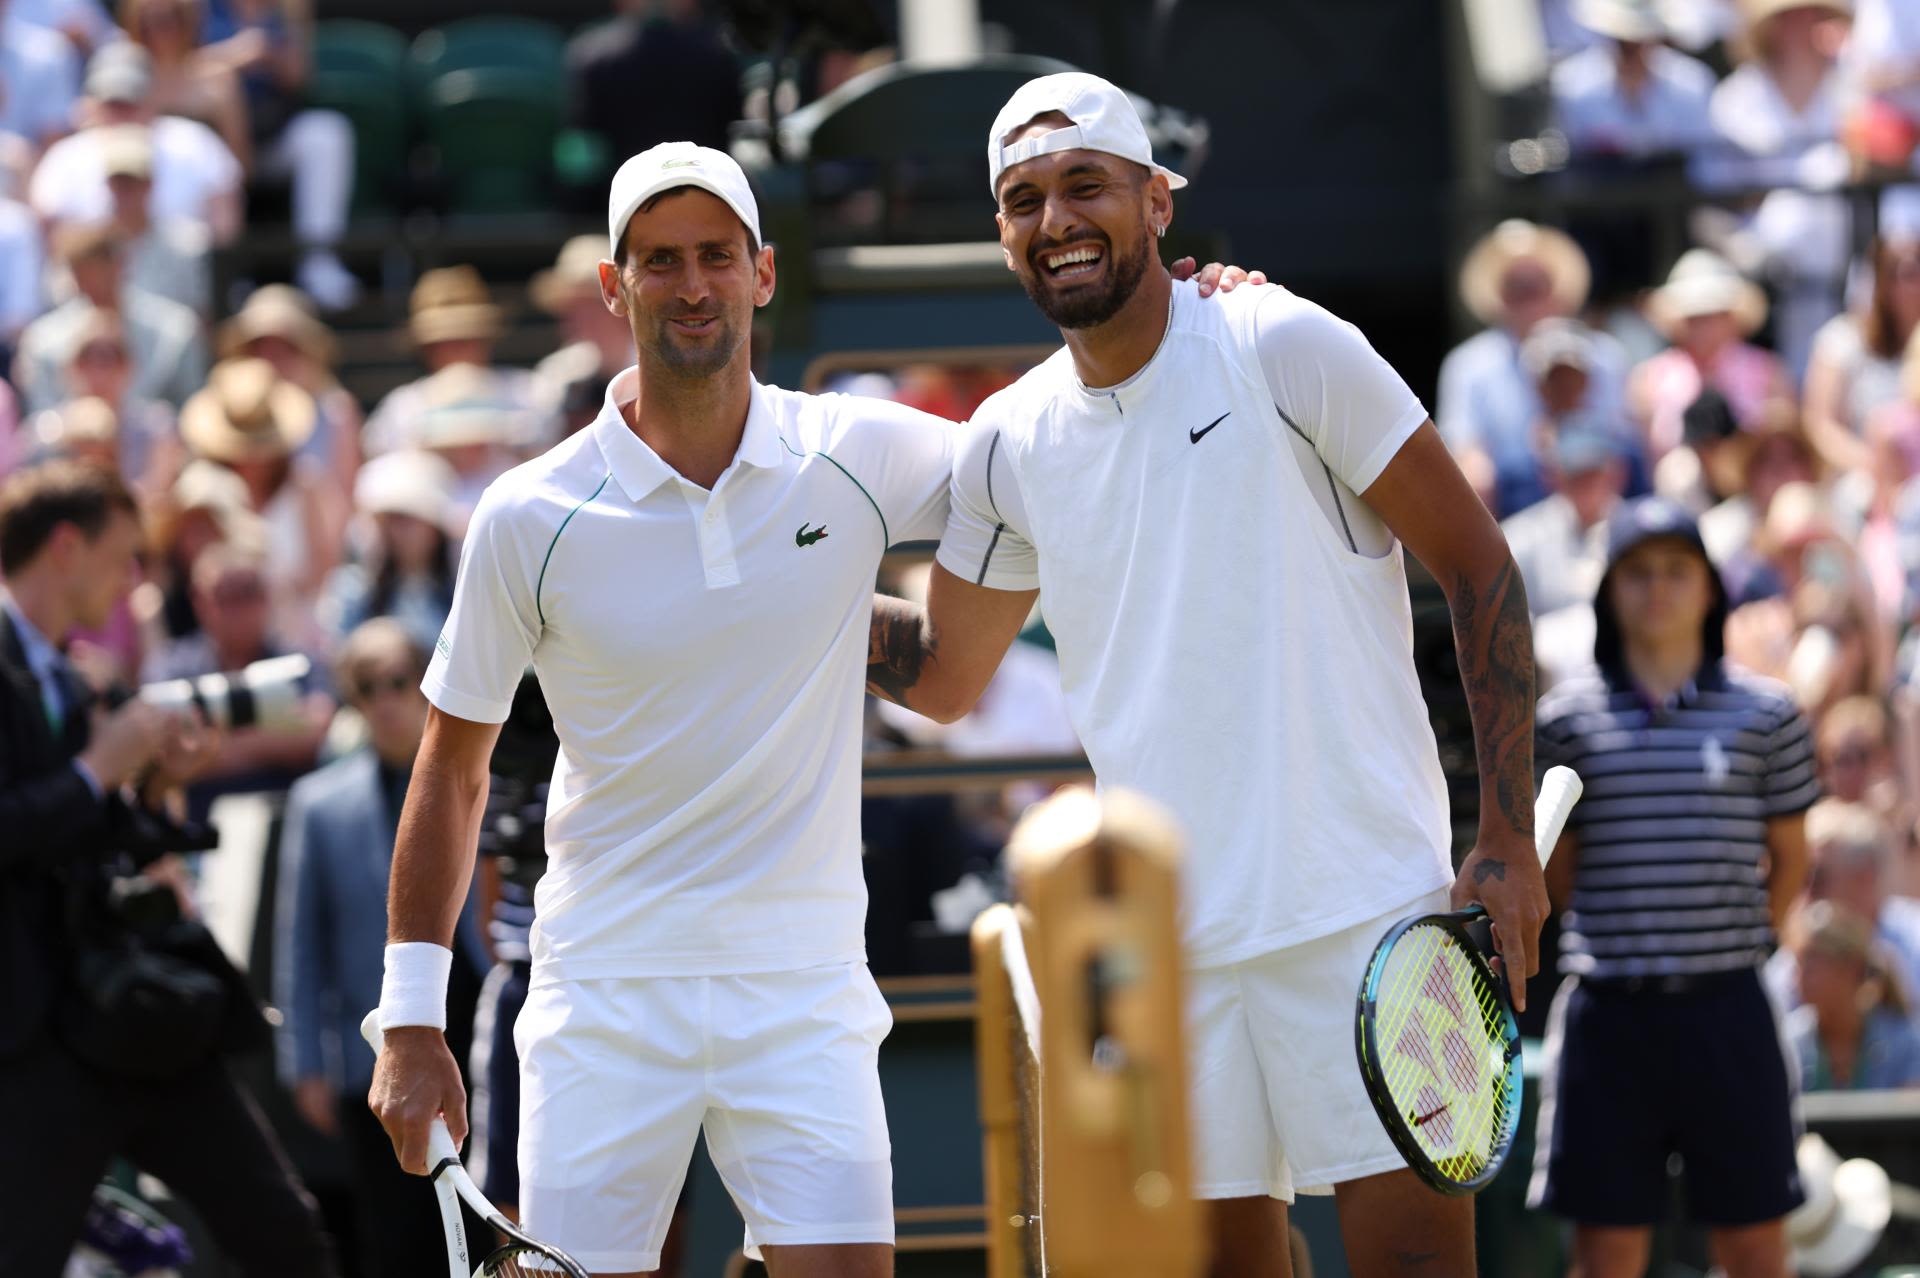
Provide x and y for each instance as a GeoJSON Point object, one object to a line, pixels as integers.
{"type": "Point", "coordinates": [670, 167]}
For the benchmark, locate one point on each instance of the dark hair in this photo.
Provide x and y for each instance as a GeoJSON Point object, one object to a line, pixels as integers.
{"type": "Point", "coordinates": [753, 244]}
{"type": "Point", "coordinates": [1878, 325]}
{"type": "Point", "coordinates": [386, 580]}
{"type": "Point", "coordinates": [37, 500]}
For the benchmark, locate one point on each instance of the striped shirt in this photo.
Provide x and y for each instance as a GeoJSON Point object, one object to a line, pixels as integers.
{"type": "Point", "coordinates": [1672, 828]}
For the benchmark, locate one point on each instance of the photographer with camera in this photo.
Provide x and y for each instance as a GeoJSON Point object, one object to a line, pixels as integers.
{"type": "Point", "coordinates": [115, 1009]}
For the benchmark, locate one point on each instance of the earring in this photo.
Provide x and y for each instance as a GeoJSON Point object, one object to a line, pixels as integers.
{"type": "Point", "coordinates": [1160, 231]}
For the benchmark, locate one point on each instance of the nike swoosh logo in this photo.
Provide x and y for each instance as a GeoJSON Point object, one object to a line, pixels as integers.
{"type": "Point", "coordinates": [1195, 435]}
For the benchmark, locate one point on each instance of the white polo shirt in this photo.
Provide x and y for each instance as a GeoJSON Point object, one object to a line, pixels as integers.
{"type": "Point", "coordinates": [1234, 632]}
{"type": "Point", "coordinates": [704, 656]}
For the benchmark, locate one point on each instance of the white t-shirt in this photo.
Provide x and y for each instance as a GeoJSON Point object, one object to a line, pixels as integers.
{"type": "Point", "coordinates": [192, 167]}
{"type": "Point", "coordinates": [1598, 118]}
{"type": "Point", "coordinates": [704, 656]}
{"type": "Point", "coordinates": [1228, 643]}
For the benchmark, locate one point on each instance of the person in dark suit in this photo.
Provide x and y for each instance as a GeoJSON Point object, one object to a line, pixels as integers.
{"type": "Point", "coordinates": [335, 854]}
{"type": "Point", "coordinates": [71, 776]}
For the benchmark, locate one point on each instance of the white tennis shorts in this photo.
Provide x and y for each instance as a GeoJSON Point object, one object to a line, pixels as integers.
{"type": "Point", "coordinates": [780, 1070]}
{"type": "Point", "coordinates": [1278, 1106]}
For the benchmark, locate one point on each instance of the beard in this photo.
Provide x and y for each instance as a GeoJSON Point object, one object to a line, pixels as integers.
{"type": "Point", "coordinates": [695, 361]}
{"type": "Point", "coordinates": [1085, 308]}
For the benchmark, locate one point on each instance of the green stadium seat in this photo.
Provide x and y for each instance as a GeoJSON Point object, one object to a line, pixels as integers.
{"type": "Point", "coordinates": [360, 70]}
{"type": "Point", "coordinates": [493, 130]}
{"type": "Point", "coordinates": [489, 91]}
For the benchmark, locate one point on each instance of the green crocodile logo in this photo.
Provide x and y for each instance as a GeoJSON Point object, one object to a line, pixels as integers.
{"type": "Point", "coordinates": [805, 538]}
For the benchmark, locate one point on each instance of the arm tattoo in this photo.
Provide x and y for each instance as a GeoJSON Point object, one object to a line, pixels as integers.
{"type": "Point", "coordinates": [1494, 638]}
{"type": "Point", "coordinates": [898, 643]}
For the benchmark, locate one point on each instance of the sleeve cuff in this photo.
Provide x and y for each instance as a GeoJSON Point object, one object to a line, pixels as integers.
{"type": "Point", "coordinates": [994, 578]}
{"type": "Point", "coordinates": [463, 705]}
{"type": "Point", "coordinates": [1411, 420]}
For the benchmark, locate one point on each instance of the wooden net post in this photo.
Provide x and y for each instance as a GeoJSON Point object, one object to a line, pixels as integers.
{"type": "Point", "coordinates": [999, 1044]}
{"type": "Point", "coordinates": [1099, 876]}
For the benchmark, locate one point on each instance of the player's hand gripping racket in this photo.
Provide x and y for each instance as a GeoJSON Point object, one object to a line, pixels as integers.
{"type": "Point", "coordinates": [520, 1255]}
{"type": "Point", "coordinates": [1438, 1046]}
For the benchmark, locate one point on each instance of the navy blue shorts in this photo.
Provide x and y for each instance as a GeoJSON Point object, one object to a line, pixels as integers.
{"type": "Point", "coordinates": [496, 1069]}
{"type": "Point", "coordinates": [1637, 1075]}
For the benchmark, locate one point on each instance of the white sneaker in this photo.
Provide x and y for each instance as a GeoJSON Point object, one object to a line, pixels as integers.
{"type": "Point", "coordinates": [331, 285]}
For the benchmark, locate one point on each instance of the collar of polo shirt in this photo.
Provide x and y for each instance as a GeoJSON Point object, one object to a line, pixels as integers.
{"type": "Point", "coordinates": [639, 470]}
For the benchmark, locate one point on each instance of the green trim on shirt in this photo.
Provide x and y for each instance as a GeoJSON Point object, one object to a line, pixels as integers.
{"type": "Point", "coordinates": [886, 538]}
{"type": "Point", "coordinates": [556, 541]}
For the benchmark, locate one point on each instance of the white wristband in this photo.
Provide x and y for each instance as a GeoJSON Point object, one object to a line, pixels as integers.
{"type": "Point", "coordinates": [414, 988]}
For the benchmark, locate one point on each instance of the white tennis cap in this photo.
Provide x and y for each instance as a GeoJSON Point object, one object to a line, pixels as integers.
{"type": "Point", "coordinates": [1103, 120]}
{"type": "Point", "coordinates": [672, 165]}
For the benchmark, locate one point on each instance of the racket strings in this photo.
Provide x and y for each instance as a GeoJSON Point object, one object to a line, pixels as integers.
{"type": "Point", "coordinates": [516, 1261]}
{"type": "Point", "coordinates": [1441, 1033]}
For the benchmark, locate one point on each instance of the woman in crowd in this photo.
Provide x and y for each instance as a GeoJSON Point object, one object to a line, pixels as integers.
{"type": "Point", "coordinates": [1707, 310]}
{"type": "Point", "coordinates": [184, 83]}
{"type": "Point", "coordinates": [1851, 1031]}
{"type": "Point", "coordinates": [1855, 369]}
{"type": "Point", "coordinates": [406, 526]}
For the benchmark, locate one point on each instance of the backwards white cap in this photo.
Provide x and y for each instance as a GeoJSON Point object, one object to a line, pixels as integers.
{"type": "Point", "coordinates": [672, 165]}
{"type": "Point", "coordinates": [1103, 120]}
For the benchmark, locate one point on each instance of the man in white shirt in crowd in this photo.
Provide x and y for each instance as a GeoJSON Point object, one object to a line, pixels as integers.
{"type": "Point", "coordinates": [39, 80]}
{"type": "Point", "coordinates": [1211, 500]}
{"type": "Point", "coordinates": [195, 175]}
{"type": "Point", "coordinates": [1628, 96]}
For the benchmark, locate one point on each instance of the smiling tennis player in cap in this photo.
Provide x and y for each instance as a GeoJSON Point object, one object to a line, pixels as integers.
{"type": "Point", "coordinates": [1212, 502]}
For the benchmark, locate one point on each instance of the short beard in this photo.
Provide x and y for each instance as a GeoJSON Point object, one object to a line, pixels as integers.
{"type": "Point", "coordinates": [696, 362]}
{"type": "Point", "coordinates": [1084, 309]}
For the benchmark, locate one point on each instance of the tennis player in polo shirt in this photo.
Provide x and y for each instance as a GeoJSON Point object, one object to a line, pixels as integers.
{"type": "Point", "coordinates": [691, 578]}
{"type": "Point", "coordinates": [1211, 501]}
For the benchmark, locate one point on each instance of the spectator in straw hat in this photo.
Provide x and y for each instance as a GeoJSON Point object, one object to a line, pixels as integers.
{"type": "Point", "coordinates": [1489, 404]}
{"type": "Point", "coordinates": [168, 257]}
{"type": "Point", "coordinates": [406, 527]}
{"type": "Point", "coordinates": [597, 345]}
{"type": "Point", "coordinates": [1629, 96]}
{"type": "Point", "coordinates": [277, 323]}
{"type": "Point", "coordinates": [253, 421]}
{"type": "Point", "coordinates": [169, 355]}
{"type": "Point", "coordinates": [454, 322]}
{"type": "Point", "coordinates": [1707, 310]}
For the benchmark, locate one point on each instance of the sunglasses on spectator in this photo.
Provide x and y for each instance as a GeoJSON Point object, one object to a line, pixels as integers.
{"type": "Point", "coordinates": [371, 687]}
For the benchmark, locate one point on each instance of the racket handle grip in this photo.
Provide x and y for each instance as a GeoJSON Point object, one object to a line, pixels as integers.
{"type": "Point", "coordinates": [440, 1146]}
{"type": "Point", "coordinates": [1559, 791]}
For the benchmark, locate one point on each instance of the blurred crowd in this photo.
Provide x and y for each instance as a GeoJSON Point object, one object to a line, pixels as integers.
{"type": "Point", "coordinates": [1768, 380]}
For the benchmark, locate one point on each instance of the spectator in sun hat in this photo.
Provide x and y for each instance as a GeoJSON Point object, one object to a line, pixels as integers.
{"type": "Point", "coordinates": [277, 323]}
{"type": "Point", "coordinates": [253, 421]}
{"type": "Point", "coordinates": [598, 344]}
{"type": "Point", "coordinates": [1518, 275]}
{"type": "Point", "coordinates": [169, 355]}
{"type": "Point", "coordinates": [406, 532]}
{"type": "Point", "coordinates": [1629, 96]}
{"type": "Point", "coordinates": [1707, 309]}
{"type": "Point", "coordinates": [167, 257]}
{"type": "Point", "coordinates": [454, 323]}
{"type": "Point", "coordinates": [464, 419]}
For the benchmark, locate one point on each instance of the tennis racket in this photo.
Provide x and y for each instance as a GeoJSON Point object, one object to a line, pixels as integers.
{"type": "Point", "coordinates": [520, 1255]}
{"type": "Point", "coordinates": [1438, 1045]}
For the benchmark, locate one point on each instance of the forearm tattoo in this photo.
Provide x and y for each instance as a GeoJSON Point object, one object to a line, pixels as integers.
{"type": "Point", "coordinates": [1494, 638]}
{"type": "Point", "coordinates": [898, 643]}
